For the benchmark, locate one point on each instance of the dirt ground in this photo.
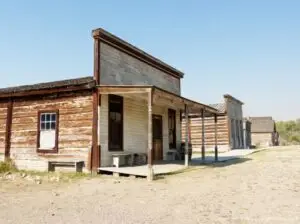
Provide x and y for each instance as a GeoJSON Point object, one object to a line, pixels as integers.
{"type": "Point", "coordinates": [262, 188]}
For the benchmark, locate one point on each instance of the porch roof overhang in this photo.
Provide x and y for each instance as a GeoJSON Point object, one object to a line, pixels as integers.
{"type": "Point", "coordinates": [157, 93]}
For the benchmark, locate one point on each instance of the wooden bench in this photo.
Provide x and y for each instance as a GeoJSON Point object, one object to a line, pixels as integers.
{"type": "Point", "coordinates": [126, 157]}
{"type": "Point", "coordinates": [77, 164]}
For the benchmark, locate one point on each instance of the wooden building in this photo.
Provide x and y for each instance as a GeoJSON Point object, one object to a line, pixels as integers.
{"type": "Point", "coordinates": [230, 127]}
{"type": "Point", "coordinates": [263, 131]}
{"type": "Point", "coordinates": [46, 121]}
{"type": "Point", "coordinates": [131, 104]}
{"type": "Point", "coordinates": [247, 133]}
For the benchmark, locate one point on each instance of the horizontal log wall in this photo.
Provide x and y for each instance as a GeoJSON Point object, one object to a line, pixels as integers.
{"type": "Point", "coordinates": [75, 130]}
{"type": "Point", "coordinates": [209, 122]}
{"type": "Point", "coordinates": [3, 112]}
{"type": "Point", "coordinates": [261, 139]}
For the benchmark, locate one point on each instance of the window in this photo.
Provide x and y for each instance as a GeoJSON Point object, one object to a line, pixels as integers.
{"type": "Point", "coordinates": [172, 128]}
{"type": "Point", "coordinates": [115, 123]}
{"type": "Point", "coordinates": [48, 132]}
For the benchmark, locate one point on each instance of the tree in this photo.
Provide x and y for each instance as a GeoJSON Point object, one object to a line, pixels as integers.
{"type": "Point", "coordinates": [289, 131]}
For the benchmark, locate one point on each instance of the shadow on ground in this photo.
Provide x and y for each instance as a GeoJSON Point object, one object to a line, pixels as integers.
{"type": "Point", "coordinates": [198, 165]}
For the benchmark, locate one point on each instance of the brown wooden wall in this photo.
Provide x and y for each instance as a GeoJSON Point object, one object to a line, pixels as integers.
{"type": "Point", "coordinates": [3, 110]}
{"type": "Point", "coordinates": [75, 129]}
{"type": "Point", "coordinates": [196, 132]}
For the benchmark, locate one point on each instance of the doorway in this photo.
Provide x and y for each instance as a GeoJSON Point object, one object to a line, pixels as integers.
{"type": "Point", "coordinates": [157, 137]}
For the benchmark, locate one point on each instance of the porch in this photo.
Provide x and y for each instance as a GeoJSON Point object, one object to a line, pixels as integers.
{"type": "Point", "coordinates": [168, 167]}
{"type": "Point", "coordinates": [164, 167]}
{"type": "Point", "coordinates": [143, 126]}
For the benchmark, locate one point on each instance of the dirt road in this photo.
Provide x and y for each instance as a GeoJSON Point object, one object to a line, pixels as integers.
{"type": "Point", "coordinates": [264, 188]}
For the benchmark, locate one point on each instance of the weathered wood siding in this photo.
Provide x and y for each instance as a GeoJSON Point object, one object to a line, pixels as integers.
{"type": "Point", "coordinates": [135, 127]}
{"type": "Point", "coordinates": [3, 115]}
{"type": "Point", "coordinates": [261, 139]}
{"type": "Point", "coordinates": [118, 68]}
{"type": "Point", "coordinates": [75, 130]}
{"type": "Point", "coordinates": [235, 120]}
{"type": "Point", "coordinates": [209, 128]}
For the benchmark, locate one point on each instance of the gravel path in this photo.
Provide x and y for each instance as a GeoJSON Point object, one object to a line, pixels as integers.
{"type": "Point", "coordinates": [263, 188]}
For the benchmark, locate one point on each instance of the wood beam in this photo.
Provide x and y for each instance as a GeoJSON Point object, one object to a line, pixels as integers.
{"type": "Point", "coordinates": [96, 149]}
{"type": "Point", "coordinates": [216, 138]}
{"type": "Point", "coordinates": [97, 61]}
{"type": "Point", "coordinates": [9, 112]}
{"type": "Point", "coordinates": [150, 143]}
{"type": "Point", "coordinates": [203, 135]}
{"type": "Point", "coordinates": [186, 157]}
{"type": "Point", "coordinates": [123, 90]}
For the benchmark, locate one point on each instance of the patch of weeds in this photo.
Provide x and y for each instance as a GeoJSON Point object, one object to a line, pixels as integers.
{"type": "Point", "coordinates": [73, 176]}
{"type": "Point", "coordinates": [34, 173]}
{"type": "Point", "coordinates": [56, 176]}
{"type": "Point", "coordinates": [7, 166]}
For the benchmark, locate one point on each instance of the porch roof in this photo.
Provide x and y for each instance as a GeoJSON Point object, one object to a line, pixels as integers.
{"type": "Point", "coordinates": [157, 93]}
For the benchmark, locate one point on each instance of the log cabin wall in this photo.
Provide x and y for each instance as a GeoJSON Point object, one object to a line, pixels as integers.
{"type": "Point", "coordinates": [3, 115]}
{"type": "Point", "coordinates": [209, 126]}
{"type": "Point", "coordinates": [74, 130]}
{"type": "Point", "coordinates": [261, 139]}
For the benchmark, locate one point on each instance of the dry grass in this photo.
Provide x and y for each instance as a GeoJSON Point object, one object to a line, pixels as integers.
{"type": "Point", "coordinates": [7, 166]}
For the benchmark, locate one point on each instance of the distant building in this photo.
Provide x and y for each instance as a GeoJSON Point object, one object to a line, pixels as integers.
{"type": "Point", "coordinates": [231, 127]}
{"type": "Point", "coordinates": [247, 133]}
{"type": "Point", "coordinates": [263, 131]}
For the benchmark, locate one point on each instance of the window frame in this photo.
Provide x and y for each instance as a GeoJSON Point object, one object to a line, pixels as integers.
{"type": "Point", "coordinates": [55, 148]}
{"type": "Point", "coordinates": [121, 98]}
{"type": "Point", "coordinates": [172, 145]}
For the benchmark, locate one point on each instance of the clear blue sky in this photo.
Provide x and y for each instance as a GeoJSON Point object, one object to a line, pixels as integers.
{"type": "Point", "coordinates": [249, 49]}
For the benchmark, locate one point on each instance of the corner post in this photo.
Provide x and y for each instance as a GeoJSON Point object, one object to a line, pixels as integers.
{"type": "Point", "coordinates": [203, 135]}
{"type": "Point", "coordinates": [9, 112]}
{"type": "Point", "coordinates": [150, 146]}
{"type": "Point", "coordinates": [95, 161]}
{"type": "Point", "coordinates": [216, 138]}
{"type": "Point", "coordinates": [187, 127]}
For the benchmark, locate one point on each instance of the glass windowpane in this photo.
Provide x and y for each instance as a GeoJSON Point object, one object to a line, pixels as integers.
{"type": "Point", "coordinates": [48, 126]}
{"type": "Point", "coordinates": [52, 125]}
{"type": "Point", "coordinates": [42, 126]}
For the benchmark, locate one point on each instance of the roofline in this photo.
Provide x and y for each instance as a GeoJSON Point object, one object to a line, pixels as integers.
{"type": "Point", "coordinates": [261, 132]}
{"type": "Point", "coordinates": [48, 90]}
{"type": "Point", "coordinates": [228, 96]}
{"type": "Point", "coordinates": [131, 50]}
{"type": "Point", "coordinates": [262, 118]}
{"type": "Point", "coordinates": [211, 109]}
{"type": "Point", "coordinates": [197, 115]}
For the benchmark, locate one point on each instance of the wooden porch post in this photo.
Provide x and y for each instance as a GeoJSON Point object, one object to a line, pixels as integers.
{"type": "Point", "coordinates": [216, 137]}
{"type": "Point", "coordinates": [95, 160]}
{"type": "Point", "coordinates": [187, 125]}
{"type": "Point", "coordinates": [8, 129]}
{"type": "Point", "coordinates": [150, 146]}
{"type": "Point", "coordinates": [203, 136]}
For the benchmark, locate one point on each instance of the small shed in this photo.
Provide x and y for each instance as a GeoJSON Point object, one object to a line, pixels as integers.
{"type": "Point", "coordinates": [263, 131]}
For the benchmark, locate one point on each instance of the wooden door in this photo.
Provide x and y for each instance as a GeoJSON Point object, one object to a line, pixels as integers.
{"type": "Point", "coordinates": [157, 126]}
